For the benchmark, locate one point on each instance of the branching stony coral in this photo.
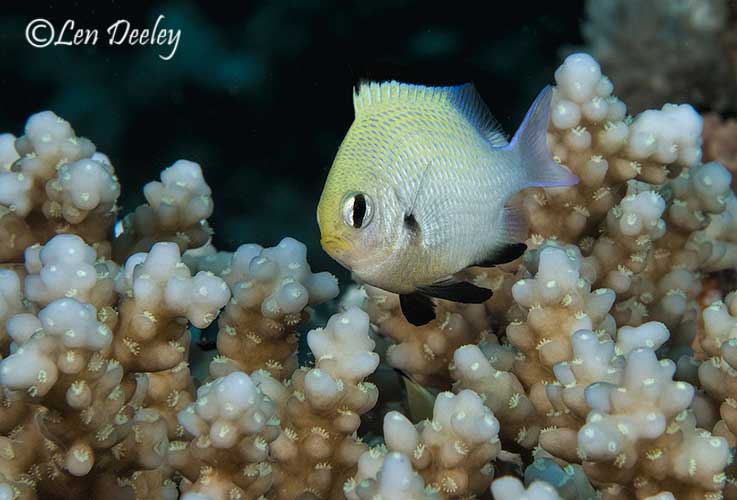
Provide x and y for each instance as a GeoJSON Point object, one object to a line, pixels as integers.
{"type": "Point", "coordinates": [271, 287]}
{"type": "Point", "coordinates": [502, 392]}
{"type": "Point", "coordinates": [508, 488]}
{"type": "Point", "coordinates": [720, 141]}
{"type": "Point", "coordinates": [592, 369]}
{"type": "Point", "coordinates": [624, 247]}
{"type": "Point", "coordinates": [232, 423]}
{"type": "Point", "coordinates": [387, 476]}
{"type": "Point", "coordinates": [597, 360]}
{"type": "Point", "coordinates": [177, 210]}
{"type": "Point", "coordinates": [689, 59]}
{"type": "Point", "coordinates": [38, 195]}
{"type": "Point", "coordinates": [318, 447]}
{"type": "Point", "coordinates": [717, 372]}
{"type": "Point", "coordinates": [424, 352]}
{"type": "Point", "coordinates": [453, 451]}
{"type": "Point", "coordinates": [10, 302]}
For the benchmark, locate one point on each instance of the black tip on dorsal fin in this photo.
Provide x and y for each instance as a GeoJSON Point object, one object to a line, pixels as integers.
{"type": "Point", "coordinates": [417, 308]}
{"type": "Point", "coordinates": [507, 254]}
{"type": "Point", "coordinates": [458, 291]}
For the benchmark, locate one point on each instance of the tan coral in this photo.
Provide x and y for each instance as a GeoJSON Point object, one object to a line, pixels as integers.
{"type": "Point", "coordinates": [387, 476]}
{"type": "Point", "coordinates": [271, 288]}
{"type": "Point", "coordinates": [453, 451]}
{"type": "Point", "coordinates": [501, 391]}
{"type": "Point", "coordinates": [641, 437]}
{"type": "Point", "coordinates": [57, 184]}
{"type": "Point", "coordinates": [177, 211]}
{"type": "Point", "coordinates": [232, 423]}
{"type": "Point", "coordinates": [317, 449]}
{"type": "Point", "coordinates": [559, 302]}
{"type": "Point", "coordinates": [718, 373]}
{"type": "Point", "coordinates": [81, 404]}
{"type": "Point", "coordinates": [720, 141]}
{"type": "Point", "coordinates": [597, 359]}
{"type": "Point", "coordinates": [424, 352]}
{"type": "Point", "coordinates": [11, 303]}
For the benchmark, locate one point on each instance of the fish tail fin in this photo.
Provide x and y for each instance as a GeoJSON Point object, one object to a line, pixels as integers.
{"type": "Point", "coordinates": [531, 142]}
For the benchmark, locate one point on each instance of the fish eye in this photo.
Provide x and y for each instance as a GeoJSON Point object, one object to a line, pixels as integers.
{"type": "Point", "coordinates": [357, 210]}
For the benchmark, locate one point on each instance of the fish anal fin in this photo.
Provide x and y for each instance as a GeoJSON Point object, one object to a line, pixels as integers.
{"type": "Point", "coordinates": [457, 291]}
{"type": "Point", "coordinates": [508, 253]}
{"type": "Point", "coordinates": [417, 308]}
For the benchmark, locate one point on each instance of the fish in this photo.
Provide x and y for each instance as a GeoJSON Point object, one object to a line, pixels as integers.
{"type": "Point", "coordinates": [420, 186]}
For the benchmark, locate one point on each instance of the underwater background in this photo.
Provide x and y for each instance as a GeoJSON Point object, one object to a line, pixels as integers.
{"type": "Point", "coordinates": [259, 93]}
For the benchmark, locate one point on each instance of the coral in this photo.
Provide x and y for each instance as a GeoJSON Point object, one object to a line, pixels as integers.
{"type": "Point", "coordinates": [691, 59]}
{"type": "Point", "coordinates": [502, 393]}
{"type": "Point", "coordinates": [11, 302]}
{"type": "Point", "coordinates": [720, 141]}
{"type": "Point", "coordinates": [317, 448]}
{"type": "Point", "coordinates": [453, 451]}
{"type": "Point", "coordinates": [600, 368]}
{"type": "Point", "coordinates": [509, 487]}
{"type": "Point", "coordinates": [640, 430]}
{"type": "Point", "coordinates": [597, 359]}
{"type": "Point", "coordinates": [56, 184]}
{"type": "Point", "coordinates": [424, 352]}
{"type": "Point", "coordinates": [67, 267]}
{"type": "Point", "coordinates": [387, 476]}
{"type": "Point", "coordinates": [81, 406]}
{"type": "Point", "coordinates": [176, 211]}
{"type": "Point", "coordinates": [558, 302]}
{"type": "Point", "coordinates": [271, 287]}
{"type": "Point", "coordinates": [232, 423]}
{"type": "Point", "coordinates": [717, 373]}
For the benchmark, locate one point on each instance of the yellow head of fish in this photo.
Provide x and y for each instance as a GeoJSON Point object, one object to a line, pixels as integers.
{"type": "Point", "coordinates": [354, 211]}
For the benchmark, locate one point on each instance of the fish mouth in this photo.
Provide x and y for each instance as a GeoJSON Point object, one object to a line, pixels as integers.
{"type": "Point", "coordinates": [335, 247]}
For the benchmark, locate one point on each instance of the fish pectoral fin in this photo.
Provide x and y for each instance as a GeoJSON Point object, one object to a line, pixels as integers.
{"type": "Point", "coordinates": [419, 309]}
{"type": "Point", "coordinates": [457, 291]}
{"type": "Point", "coordinates": [514, 224]}
{"type": "Point", "coordinates": [508, 253]}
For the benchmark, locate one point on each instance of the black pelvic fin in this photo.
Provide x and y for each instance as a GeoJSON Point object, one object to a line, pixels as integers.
{"type": "Point", "coordinates": [457, 291]}
{"type": "Point", "coordinates": [419, 309]}
{"type": "Point", "coordinates": [508, 253]}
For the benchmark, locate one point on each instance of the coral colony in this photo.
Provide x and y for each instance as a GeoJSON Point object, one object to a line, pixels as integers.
{"type": "Point", "coordinates": [600, 368]}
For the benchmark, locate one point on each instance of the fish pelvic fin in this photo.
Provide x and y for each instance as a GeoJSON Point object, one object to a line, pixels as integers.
{"type": "Point", "coordinates": [510, 245]}
{"type": "Point", "coordinates": [418, 309]}
{"type": "Point", "coordinates": [531, 142]}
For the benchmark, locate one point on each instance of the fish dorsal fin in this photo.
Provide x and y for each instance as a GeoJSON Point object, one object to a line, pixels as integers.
{"type": "Point", "coordinates": [369, 96]}
{"type": "Point", "coordinates": [474, 108]}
